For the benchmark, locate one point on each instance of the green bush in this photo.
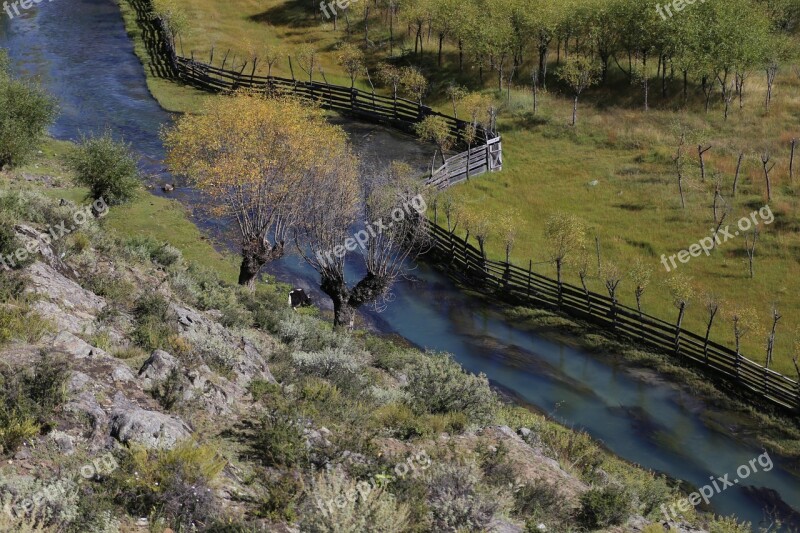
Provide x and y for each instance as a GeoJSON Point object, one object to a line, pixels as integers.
{"type": "Point", "coordinates": [29, 398]}
{"type": "Point", "coordinates": [155, 325]}
{"type": "Point", "coordinates": [540, 502]}
{"type": "Point", "coordinates": [279, 439]}
{"type": "Point", "coordinates": [437, 384]}
{"type": "Point", "coordinates": [107, 167]}
{"type": "Point", "coordinates": [174, 484]}
{"type": "Point", "coordinates": [9, 244]}
{"type": "Point", "coordinates": [604, 507]}
{"type": "Point", "coordinates": [26, 111]}
{"type": "Point", "coordinates": [456, 501]}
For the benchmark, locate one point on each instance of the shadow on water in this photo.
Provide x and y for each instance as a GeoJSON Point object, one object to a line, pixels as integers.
{"type": "Point", "coordinates": [80, 51]}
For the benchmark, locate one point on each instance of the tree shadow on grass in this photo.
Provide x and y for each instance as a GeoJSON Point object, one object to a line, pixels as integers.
{"type": "Point", "coordinates": [294, 14]}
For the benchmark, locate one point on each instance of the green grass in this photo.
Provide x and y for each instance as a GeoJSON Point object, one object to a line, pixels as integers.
{"type": "Point", "coordinates": [634, 210]}
{"type": "Point", "coordinates": [150, 216]}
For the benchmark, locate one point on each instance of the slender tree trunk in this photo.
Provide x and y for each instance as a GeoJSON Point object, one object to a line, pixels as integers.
{"type": "Point", "coordinates": [575, 111]}
{"type": "Point", "coordinates": [681, 312]}
{"type": "Point", "coordinates": [738, 171]}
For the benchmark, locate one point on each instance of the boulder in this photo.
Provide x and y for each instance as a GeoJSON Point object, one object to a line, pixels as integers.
{"type": "Point", "coordinates": [151, 429]}
{"type": "Point", "coordinates": [157, 368]}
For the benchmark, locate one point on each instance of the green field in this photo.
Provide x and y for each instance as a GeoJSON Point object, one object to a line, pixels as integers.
{"type": "Point", "coordinates": [634, 208]}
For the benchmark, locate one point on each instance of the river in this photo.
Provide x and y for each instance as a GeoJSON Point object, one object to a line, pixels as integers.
{"type": "Point", "coordinates": [81, 53]}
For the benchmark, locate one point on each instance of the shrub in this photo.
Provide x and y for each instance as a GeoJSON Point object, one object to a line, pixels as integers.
{"type": "Point", "coordinates": [437, 384]}
{"type": "Point", "coordinates": [19, 322]}
{"type": "Point", "coordinates": [9, 244]}
{"type": "Point", "coordinates": [728, 524]}
{"type": "Point", "coordinates": [341, 505]}
{"type": "Point", "coordinates": [29, 398]}
{"type": "Point", "coordinates": [279, 440]}
{"type": "Point", "coordinates": [455, 501]}
{"type": "Point", "coordinates": [218, 354]}
{"type": "Point", "coordinates": [107, 167]}
{"type": "Point", "coordinates": [604, 507]}
{"type": "Point", "coordinates": [154, 322]}
{"type": "Point", "coordinates": [175, 484]}
{"type": "Point", "coordinates": [540, 502]}
{"type": "Point", "coordinates": [280, 500]}
{"type": "Point", "coordinates": [330, 363]}
{"type": "Point", "coordinates": [26, 111]}
{"type": "Point", "coordinates": [12, 286]}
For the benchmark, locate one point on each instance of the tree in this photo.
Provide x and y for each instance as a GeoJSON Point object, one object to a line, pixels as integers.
{"type": "Point", "coordinates": [270, 55]}
{"type": "Point", "coordinates": [26, 111]}
{"type": "Point", "coordinates": [681, 292]}
{"type": "Point", "coordinates": [612, 276]}
{"type": "Point", "coordinates": [712, 304]}
{"type": "Point", "coordinates": [745, 321]}
{"type": "Point", "coordinates": [255, 158]}
{"type": "Point", "coordinates": [386, 248]}
{"type": "Point", "coordinates": [390, 76]}
{"type": "Point", "coordinates": [107, 167]}
{"type": "Point", "coordinates": [564, 234]}
{"type": "Point", "coordinates": [173, 14]}
{"type": "Point", "coordinates": [456, 93]}
{"type": "Point", "coordinates": [351, 59]}
{"type": "Point", "coordinates": [579, 73]}
{"type": "Point", "coordinates": [413, 83]}
{"type": "Point", "coordinates": [640, 275]}
{"type": "Point", "coordinates": [307, 57]}
{"type": "Point", "coordinates": [436, 129]}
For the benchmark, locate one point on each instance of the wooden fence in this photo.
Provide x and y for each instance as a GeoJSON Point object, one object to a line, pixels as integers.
{"type": "Point", "coordinates": [463, 261]}
{"type": "Point", "coordinates": [399, 113]}
{"type": "Point", "coordinates": [523, 286]}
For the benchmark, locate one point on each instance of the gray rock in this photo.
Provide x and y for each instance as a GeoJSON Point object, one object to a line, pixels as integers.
{"type": "Point", "coordinates": [75, 347]}
{"type": "Point", "coordinates": [157, 368]}
{"type": "Point", "coordinates": [64, 442]}
{"type": "Point", "coordinates": [151, 429]}
{"type": "Point", "coordinates": [524, 432]}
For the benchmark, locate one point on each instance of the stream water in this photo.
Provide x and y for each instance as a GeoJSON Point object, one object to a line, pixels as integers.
{"type": "Point", "coordinates": [80, 51]}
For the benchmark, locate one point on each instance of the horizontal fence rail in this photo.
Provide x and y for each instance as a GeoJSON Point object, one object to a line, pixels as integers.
{"type": "Point", "coordinates": [465, 262]}
{"type": "Point", "coordinates": [525, 287]}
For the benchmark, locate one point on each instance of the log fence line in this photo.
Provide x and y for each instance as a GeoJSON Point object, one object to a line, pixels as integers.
{"type": "Point", "coordinates": [513, 284]}
{"type": "Point", "coordinates": [466, 263]}
{"type": "Point", "coordinates": [485, 156]}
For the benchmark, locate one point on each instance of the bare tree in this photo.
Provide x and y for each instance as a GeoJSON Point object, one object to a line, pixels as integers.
{"type": "Point", "coordinates": [681, 291]}
{"type": "Point", "coordinates": [712, 304]}
{"type": "Point", "coordinates": [738, 171]}
{"type": "Point", "coordinates": [772, 73]}
{"type": "Point", "coordinates": [791, 161]}
{"type": "Point", "coordinates": [701, 153]}
{"type": "Point", "coordinates": [612, 276]}
{"type": "Point", "coordinates": [640, 275]}
{"type": "Point", "coordinates": [776, 316]}
{"type": "Point", "coordinates": [680, 161]}
{"type": "Point", "coordinates": [765, 158]}
{"type": "Point", "coordinates": [750, 248]}
{"type": "Point", "coordinates": [393, 205]}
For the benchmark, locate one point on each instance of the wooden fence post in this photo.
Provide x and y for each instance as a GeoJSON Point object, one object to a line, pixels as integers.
{"type": "Point", "coordinates": [530, 269]}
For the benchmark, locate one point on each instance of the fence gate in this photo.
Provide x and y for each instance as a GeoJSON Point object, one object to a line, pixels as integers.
{"type": "Point", "coordinates": [495, 154]}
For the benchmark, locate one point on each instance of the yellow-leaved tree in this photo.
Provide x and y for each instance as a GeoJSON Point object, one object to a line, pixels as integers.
{"type": "Point", "coordinates": [256, 159]}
